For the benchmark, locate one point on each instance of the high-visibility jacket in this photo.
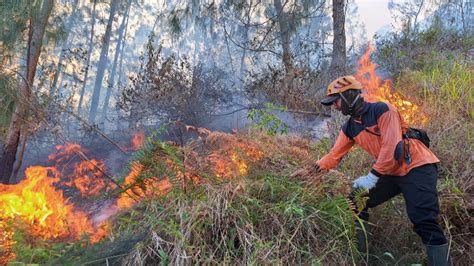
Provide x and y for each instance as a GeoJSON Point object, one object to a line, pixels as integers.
{"type": "Point", "coordinates": [380, 133]}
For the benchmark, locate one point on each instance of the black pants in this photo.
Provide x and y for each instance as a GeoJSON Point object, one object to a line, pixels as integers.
{"type": "Point", "coordinates": [419, 190]}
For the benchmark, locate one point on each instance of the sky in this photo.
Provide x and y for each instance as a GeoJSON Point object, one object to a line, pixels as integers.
{"type": "Point", "coordinates": [374, 14]}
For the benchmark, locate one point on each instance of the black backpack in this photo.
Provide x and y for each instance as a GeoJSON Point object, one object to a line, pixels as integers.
{"type": "Point", "coordinates": [412, 133]}
{"type": "Point", "coordinates": [419, 134]}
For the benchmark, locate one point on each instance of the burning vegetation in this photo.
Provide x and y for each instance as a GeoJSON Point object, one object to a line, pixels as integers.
{"type": "Point", "coordinates": [38, 202]}
{"type": "Point", "coordinates": [220, 197]}
{"type": "Point", "coordinates": [376, 89]}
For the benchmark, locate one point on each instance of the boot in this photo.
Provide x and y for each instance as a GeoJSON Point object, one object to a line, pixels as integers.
{"type": "Point", "coordinates": [438, 255]}
{"type": "Point", "coordinates": [361, 234]}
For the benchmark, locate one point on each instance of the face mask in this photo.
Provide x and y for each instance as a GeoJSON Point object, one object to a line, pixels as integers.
{"type": "Point", "coordinates": [349, 108]}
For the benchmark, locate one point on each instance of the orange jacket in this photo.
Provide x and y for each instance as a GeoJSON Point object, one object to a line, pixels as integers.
{"type": "Point", "coordinates": [380, 134]}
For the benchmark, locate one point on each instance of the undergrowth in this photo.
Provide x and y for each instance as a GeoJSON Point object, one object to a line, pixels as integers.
{"type": "Point", "coordinates": [264, 217]}
{"type": "Point", "coordinates": [261, 220]}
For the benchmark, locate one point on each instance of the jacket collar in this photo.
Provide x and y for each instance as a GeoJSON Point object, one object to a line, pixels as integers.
{"type": "Point", "coordinates": [365, 108]}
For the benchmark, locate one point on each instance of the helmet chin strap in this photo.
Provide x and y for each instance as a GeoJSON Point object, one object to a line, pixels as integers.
{"type": "Point", "coordinates": [351, 105]}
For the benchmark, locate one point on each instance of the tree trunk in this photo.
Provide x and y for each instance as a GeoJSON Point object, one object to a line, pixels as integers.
{"type": "Point", "coordinates": [118, 49]}
{"type": "Point", "coordinates": [102, 63]}
{"type": "Point", "coordinates": [35, 41]}
{"type": "Point", "coordinates": [245, 37]}
{"type": "Point", "coordinates": [69, 23]}
{"type": "Point", "coordinates": [120, 77]}
{"type": "Point", "coordinates": [243, 66]}
{"type": "Point", "coordinates": [88, 61]}
{"type": "Point", "coordinates": [19, 161]}
{"type": "Point", "coordinates": [285, 36]}
{"type": "Point", "coordinates": [417, 14]}
{"type": "Point", "coordinates": [229, 53]}
{"type": "Point", "coordinates": [338, 63]}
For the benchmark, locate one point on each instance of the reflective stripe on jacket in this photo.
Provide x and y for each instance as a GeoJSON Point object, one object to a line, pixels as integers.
{"type": "Point", "coordinates": [380, 134]}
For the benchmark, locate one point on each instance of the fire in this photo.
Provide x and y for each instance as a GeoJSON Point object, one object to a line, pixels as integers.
{"type": "Point", "coordinates": [65, 152]}
{"type": "Point", "coordinates": [39, 204]}
{"type": "Point", "coordinates": [137, 140]}
{"type": "Point", "coordinates": [136, 190]}
{"type": "Point", "coordinates": [6, 243]}
{"type": "Point", "coordinates": [41, 207]}
{"type": "Point", "coordinates": [231, 162]}
{"type": "Point", "coordinates": [87, 176]}
{"type": "Point", "coordinates": [251, 151]}
{"type": "Point", "coordinates": [377, 89]}
{"type": "Point", "coordinates": [241, 165]}
{"type": "Point", "coordinates": [127, 200]}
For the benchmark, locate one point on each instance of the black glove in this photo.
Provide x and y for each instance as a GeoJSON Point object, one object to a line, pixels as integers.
{"type": "Point", "coordinates": [357, 199]}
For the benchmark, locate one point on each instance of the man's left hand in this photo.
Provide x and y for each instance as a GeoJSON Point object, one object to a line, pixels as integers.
{"type": "Point", "coordinates": [307, 171]}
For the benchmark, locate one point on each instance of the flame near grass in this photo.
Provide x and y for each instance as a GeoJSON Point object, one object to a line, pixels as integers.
{"type": "Point", "coordinates": [40, 205]}
{"type": "Point", "coordinates": [376, 89]}
{"type": "Point", "coordinates": [42, 208]}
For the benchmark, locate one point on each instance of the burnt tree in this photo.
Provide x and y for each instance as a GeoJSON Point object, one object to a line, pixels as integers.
{"type": "Point", "coordinates": [36, 29]}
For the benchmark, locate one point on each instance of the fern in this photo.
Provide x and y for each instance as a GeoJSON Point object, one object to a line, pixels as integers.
{"type": "Point", "coordinates": [357, 200]}
{"type": "Point", "coordinates": [154, 161]}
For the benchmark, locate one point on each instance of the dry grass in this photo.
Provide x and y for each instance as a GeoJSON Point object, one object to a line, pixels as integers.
{"type": "Point", "coordinates": [261, 217]}
{"type": "Point", "coordinates": [264, 217]}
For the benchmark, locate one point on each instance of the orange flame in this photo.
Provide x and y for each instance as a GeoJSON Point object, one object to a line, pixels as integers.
{"type": "Point", "coordinates": [230, 163]}
{"type": "Point", "coordinates": [136, 190]}
{"type": "Point", "coordinates": [127, 200]}
{"type": "Point", "coordinates": [39, 204]}
{"type": "Point", "coordinates": [87, 176]}
{"type": "Point", "coordinates": [377, 89]}
{"type": "Point", "coordinates": [6, 243]}
{"type": "Point", "coordinates": [42, 208]}
{"type": "Point", "coordinates": [65, 152]}
{"type": "Point", "coordinates": [48, 215]}
{"type": "Point", "coordinates": [137, 140]}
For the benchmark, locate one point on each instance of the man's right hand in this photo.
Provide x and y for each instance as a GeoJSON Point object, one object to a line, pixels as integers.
{"type": "Point", "coordinates": [307, 171]}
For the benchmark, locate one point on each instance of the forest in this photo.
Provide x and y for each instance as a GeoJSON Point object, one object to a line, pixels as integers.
{"type": "Point", "coordinates": [153, 132]}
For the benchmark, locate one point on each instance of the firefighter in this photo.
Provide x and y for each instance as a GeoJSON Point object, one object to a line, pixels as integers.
{"type": "Point", "coordinates": [402, 165]}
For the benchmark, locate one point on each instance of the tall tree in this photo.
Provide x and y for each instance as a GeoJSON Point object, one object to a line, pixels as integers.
{"type": "Point", "coordinates": [102, 63]}
{"type": "Point", "coordinates": [67, 27]}
{"type": "Point", "coordinates": [36, 27]}
{"type": "Point", "coordinates": [338, 63]}
{"type": "Point", "coordinates": [88, 60]}
{"type": "Point", "coordinates": [269, 27]}
{"type": "Point", "coordinates": [118, 50]}
{"type": "Point", "coordinates": [285, 35]}
{"type": "Point", "coordinates": [245, 37]}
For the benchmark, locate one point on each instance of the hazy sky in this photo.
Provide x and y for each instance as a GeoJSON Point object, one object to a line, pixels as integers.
{"type": "Point", "coordinates": [375, 14]}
